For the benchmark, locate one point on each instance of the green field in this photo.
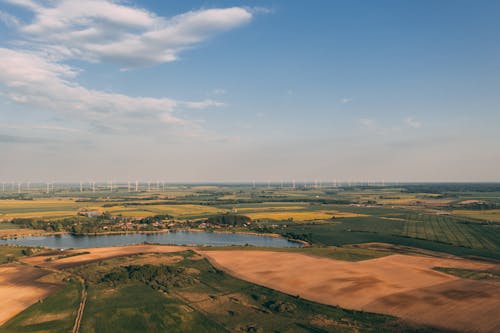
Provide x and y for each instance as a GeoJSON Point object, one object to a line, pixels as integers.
{"type": "Point", "coordinates": [135, 307]}
{"type": "Point", "coordinates": [436, 233]}
{"type": "Point", "coordinates": [10, 253]}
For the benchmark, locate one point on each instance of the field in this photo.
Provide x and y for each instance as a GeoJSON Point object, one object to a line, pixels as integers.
{"type": "Point", "coordinates": [195, 297]}
{"type": "Point", "coordinates": [55, 314]}
{"type": "Point", "coordinates": [405, 252]}
{"type": "Point", "coordinates": [299, 216]}
{"type": "Point", "coordinates": [492, 215]}
{"type": "Point", "coordinates": [22, 286]}
{"type": "Point", "coordinates": [39, 208]}
{"type": "Point", "coordinates": [404, 286]}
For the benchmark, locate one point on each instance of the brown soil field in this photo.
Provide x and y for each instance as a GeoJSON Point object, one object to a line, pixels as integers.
{"type": "Point", "coordinates": [400, 285]}
{"type": "Point", "coordinates": [96, 254]}
{"type": "Point", "coordinates": [20, 287]}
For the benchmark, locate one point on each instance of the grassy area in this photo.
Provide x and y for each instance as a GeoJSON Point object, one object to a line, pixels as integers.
{"type": "Point", "coordinates": [9, 253]}
{"type": "Point", "coordinates": [56, 314]}
{"type": "Point", "coordinates": [436, 234]}
{"type": "Point", "coordinates": [338, 253]}
{"type": "Point", "coordinates": [470, 274]}
{"type": "Point", "coordinates": [135, 307]}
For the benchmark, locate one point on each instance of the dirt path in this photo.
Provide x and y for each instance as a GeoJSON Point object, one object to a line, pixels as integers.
{"type": "Point", "coordinates": [400, 285]}
{"type": "Point", "coordinates": [81, 308]}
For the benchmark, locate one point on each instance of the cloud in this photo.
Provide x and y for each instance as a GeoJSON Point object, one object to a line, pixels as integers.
{"type": "Point", "coordinates": [345, 100]}
{"type": "Point", "coordinates": [30, 79]}
{"type": "Point", "coordinates": [368, 123]}
{"type": "Point", "coordinates": [8, 20]}
{"type": "Point", "coordinates": [412, 122]}
{"type": "Point", "coordinates": [218, 92]}
{"type": "Point", "coordinates": [103, 30]}
{"type": "Point", "coordinates": [201, 105]}
{"type": "Point", "coordinates": [10, 139]}
{"type": "Point", "coordinates": [42, 127]}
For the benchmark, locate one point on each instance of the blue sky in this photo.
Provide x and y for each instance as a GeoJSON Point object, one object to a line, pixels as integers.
{"type": "Point", "coordinates": [243, 90]}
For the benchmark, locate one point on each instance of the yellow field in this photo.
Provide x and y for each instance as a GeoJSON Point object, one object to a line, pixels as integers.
{"type": "Point", "coordinates": [184, 210]}
{"type": "Point", "coordinates": [179, 211]}
{"type": "Point", "coordinates": [268, 209]}
{"type": "Point", "coordinates": [489, 215]}
{"type": "Point", "coordinates": [51, 214]}
{"type": "Point", "coordinates": [300, 216]}
{"type": "Point", "coordinates": [8, 204]}
{"type": "Point", "coordinates": [43, 208]}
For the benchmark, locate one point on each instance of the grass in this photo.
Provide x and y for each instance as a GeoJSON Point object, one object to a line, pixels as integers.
{"type": "Point", "coordinates": [135, 307]}
{"type": "Point", "coordinates": [9, 253]}
{"type": "Point", "coordinates": [339, 253]}
{"type": "Point", "coordinates": [435, 233]}
{"type": "Point", "coordinates": [56, 314]}
{"type": "Point", "coordinates": [470, 274]}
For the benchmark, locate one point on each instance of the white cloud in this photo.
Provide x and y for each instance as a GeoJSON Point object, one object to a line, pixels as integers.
{"type": "Point", "coordinates": [345, 100]}
{"type": "Point", "coordinates": [32, 80]}
{"type": "Point", "coordinates": [103, 30]}
{"type": "Point", "coordinates": [412, 122]}
{"type": "Point", "coordinates": [201, 105]}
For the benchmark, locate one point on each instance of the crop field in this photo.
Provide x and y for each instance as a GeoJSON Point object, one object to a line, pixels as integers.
{"type": "Point", "coordinates": [55, 314]}
{"type": "Point", "coordinates": [43, 208]}
{"type": "Point", "coordinates": [492, 215]}
{"type": "Point", "coordinates": [299, 215]}
{"type": "Point", "coordinates": [432, 232]}
{"type": "Point", "coordinates": [380, 285]}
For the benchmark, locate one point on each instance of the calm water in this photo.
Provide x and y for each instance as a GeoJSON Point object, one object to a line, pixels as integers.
{"type": "Point", "coordinates": [173, 238]}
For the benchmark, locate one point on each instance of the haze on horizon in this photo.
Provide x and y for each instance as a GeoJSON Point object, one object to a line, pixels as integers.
{"type": "Point", "coordinates": [217, 91]}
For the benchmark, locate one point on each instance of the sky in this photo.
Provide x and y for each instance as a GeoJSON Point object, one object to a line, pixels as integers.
{"type": "Point", "coordinates": [224, 91]}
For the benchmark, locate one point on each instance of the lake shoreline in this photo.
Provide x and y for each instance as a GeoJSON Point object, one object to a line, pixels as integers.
{"type": "Point", "coordinates": [54, 233]}
{"type": "Point", "coordinates": [174, 237]}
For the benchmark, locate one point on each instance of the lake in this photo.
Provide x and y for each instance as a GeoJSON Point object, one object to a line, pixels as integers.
{"type": "Point", "coordinates": [172, 238]}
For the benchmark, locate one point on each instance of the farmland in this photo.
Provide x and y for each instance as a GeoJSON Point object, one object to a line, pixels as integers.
{"type": "Point", "coordinates": [195, 297]}
{"type": "Point", "coordinates": [360, 237]}
{"type": "Point", "coordinates": [435, 217]}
